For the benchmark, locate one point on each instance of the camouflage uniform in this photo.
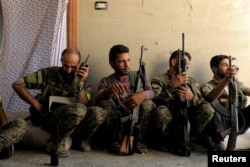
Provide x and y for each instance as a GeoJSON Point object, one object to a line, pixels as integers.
{"type": "Point", "coordinates": [94, 118]}
{"type": "Point", "coordinates": [12, 132]}
{"type": "Point", "coordinates": [220, 122]}
{"type": "Point", "coordinates": [165, 117]}
{"type": "Point", "coordinates": [114, 127]}
{"type": "Point", "coordinates": [66, 117]}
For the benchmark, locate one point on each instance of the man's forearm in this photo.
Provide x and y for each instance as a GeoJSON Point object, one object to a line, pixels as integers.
{"type": "Point", "coordinates": [3, 118]}
{"type": "Point", "coordinates": [216, 91]}
{"type": "Point", "coordinates": [24, 94]}
{"type": "Point", "coordinates": [81, 98]}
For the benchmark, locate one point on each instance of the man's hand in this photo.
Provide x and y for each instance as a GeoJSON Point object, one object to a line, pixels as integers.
{"type": "Point", "coordinates": [40, 108]}
{"type": "Point", "coordinates": [83, 73]}
{"type": "Point", "coordinates": [117, 89]}
{"type": "Point", "coordinates": [134, 100]}
{"type": "Point", "coordinates": [185, 92]}
{"type": "Point", "coordinates": [179, 79]}
{"type": "Point", "coordinates": [231, 72]}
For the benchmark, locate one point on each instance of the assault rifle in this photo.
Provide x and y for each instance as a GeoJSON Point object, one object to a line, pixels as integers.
{"type": "Point", "coordinates": [184, 103]}
{"type": "Point", "coordinates": [128, 142]}
{"type": "Point", "coordinates": [232, 98]}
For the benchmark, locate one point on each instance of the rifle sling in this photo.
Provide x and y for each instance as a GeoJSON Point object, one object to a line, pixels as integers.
{"type": "Point", "coordinates": [133, 116]}
{"type": "Point", "coordinates": [220, 108]}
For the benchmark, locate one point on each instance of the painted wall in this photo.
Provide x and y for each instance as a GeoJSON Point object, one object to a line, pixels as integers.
{"type": "Point", "coordinates": [1, 24]}
{"type": "Point", "coordinates": [211, 27]}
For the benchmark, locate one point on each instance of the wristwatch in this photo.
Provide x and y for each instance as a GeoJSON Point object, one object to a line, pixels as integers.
{"type": "Point", "coordinates": [80, 88]}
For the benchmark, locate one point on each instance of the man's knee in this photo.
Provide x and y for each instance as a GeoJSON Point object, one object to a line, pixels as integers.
{"type": "Point", "coordinates": [21, 125]}
{"type": "Point", "coordinates": [97, 113]}
{"type": "Point", "coordinates": [162, 114]}
{"type": "Point", "coordinates": [208, 110]}
{"type": "Point", "coordinates": [77, 109]}
{"type": "Point", "coordinates": [148, 106]}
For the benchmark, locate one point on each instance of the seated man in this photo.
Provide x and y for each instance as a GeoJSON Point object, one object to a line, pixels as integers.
{"type": "Point", "coordinates": [10, 133]}
{"type": "Point", "coordinates": [116, 94]}
{"type": "Point", "coordinates": [217, 89]}
{"type": "Point", "coordinates": [65, 81]}
{"type": "Point", "coordinates": [179, 102]}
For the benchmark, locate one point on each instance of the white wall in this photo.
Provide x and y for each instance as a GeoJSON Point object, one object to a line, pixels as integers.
{"type": "Point", "coordinates": [211, 27]}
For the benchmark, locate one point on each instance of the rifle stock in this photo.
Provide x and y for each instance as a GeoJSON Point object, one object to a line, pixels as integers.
{"type": "Point", "coordinates": [128, 141]}
{"type": "Point", "coordinates": [127, 145]}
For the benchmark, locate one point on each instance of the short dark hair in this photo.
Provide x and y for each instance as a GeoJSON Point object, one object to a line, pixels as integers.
{"type": "Point", "coordinates": [215, 60]}
{"type": "Point", "coordinates": [71, 50]}
{"type": "Point", "coordinates": [117, 49]}
{"type": "Point", "coordinates": [175, 55]}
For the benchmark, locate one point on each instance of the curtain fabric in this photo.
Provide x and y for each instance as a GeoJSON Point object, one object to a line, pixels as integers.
{"type": "Point", "coordinates": [34, 35]}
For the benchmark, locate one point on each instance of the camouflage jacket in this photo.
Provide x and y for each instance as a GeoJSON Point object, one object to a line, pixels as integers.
{"type": "Point", "coordinates": [51, 83]}
{"type": "Point", "coordinates": [223, 99]}
{"type": "Point", "coordinates": [165, 94]}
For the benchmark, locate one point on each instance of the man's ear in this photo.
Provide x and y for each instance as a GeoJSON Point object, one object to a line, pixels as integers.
{"type": "Point", "coordinates": [112, 64]}
{"type": "Point", "coordinates": [214, 69]}
{"type": "Point", "coordinates": [173, 62]}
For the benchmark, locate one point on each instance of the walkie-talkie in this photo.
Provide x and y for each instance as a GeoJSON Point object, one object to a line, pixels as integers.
{"type": "Point", "coordinates": [83, 64]}
{"type": "Point", "coordinates": [54, 160]}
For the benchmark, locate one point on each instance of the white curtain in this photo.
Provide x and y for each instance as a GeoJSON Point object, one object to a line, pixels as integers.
{"type": "Point", "coordinates": [34, 35]}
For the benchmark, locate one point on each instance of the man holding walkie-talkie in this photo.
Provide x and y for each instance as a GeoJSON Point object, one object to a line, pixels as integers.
{"type": "Point", "coordinates": [65, 81]}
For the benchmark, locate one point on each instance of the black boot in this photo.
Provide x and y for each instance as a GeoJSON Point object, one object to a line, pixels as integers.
{"type": "Point", "coordinates": [7, 152]}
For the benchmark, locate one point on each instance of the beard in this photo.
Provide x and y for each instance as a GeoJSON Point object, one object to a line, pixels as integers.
{"type": "Point", "coordinates": [221, 75]}
{"type": "Point", "coordinates": [122, 72]}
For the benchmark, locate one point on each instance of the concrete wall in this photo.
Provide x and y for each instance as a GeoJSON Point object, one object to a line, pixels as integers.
{"type": "Point", "coordinates": [211, 27]}
{"type": "Point", "coordinates": [1, 24]}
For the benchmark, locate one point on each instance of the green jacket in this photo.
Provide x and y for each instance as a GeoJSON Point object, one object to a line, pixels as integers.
{"type": "Point", "coordinates": [165, 94]}
{"type": "Point", "coordinates": [51, 83]}
{"type": "Point", "coordinates": [240, 87]}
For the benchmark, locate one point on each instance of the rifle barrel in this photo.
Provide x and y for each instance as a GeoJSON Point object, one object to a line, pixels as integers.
{"type": "Point", "coordinates": [183, 39]}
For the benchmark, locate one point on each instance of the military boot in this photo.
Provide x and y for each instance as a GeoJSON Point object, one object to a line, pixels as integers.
{"type": "Point", "coordinates": [7, 152]}
{"type": "Point", "coordinates": [85, 146]}
{"type": "Point", "coordinates": [61, 148]}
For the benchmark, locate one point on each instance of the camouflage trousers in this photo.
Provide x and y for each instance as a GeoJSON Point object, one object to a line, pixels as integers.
{"type": "Point", "coordinates": [88, 126]}
{"type": "Point", "coordinates": [62, 121]}
{"type": "Point", "coordinates": [74, 120]}
{"type": "Point", "coordinates": [166, 122]}
{"type": "Point", "coordinates": [114, 127]}
{"type": "Point", "coordinates": [12, 133]}
{"type": "Point", "coordinates": [221, 123]}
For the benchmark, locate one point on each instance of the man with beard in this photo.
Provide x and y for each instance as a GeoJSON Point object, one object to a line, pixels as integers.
{"type": "Point", "coordinates": [65, 119]}
{"type": "Point", "coordinates": [169, 88]}
{"type": "Point", "coordinates": [116, 95]}
{"type": "Point", "coordinates": [217, 89]}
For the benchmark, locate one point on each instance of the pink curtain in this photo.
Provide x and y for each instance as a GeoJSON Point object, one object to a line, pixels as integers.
{"type": "Point", "coordinates": [34, 35]}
